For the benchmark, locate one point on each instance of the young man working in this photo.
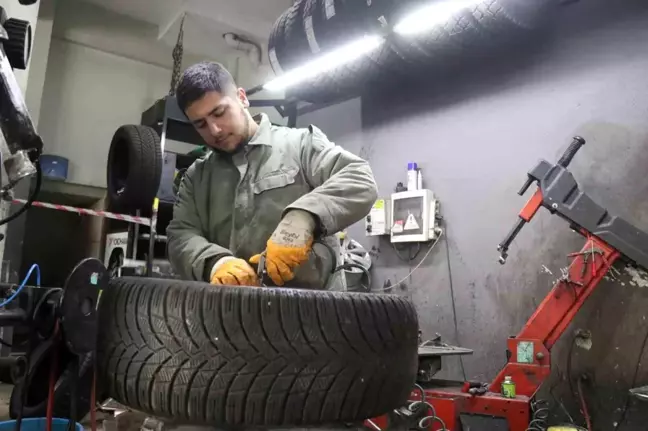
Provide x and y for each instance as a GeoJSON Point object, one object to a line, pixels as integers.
{"type": "Point", "coordinates": [263, 188]}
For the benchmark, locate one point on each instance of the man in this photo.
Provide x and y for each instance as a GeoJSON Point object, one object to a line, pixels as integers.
{"type": "Point", "coordinates": [263, 188]}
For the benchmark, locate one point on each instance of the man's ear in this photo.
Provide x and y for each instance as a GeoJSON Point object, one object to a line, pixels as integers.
{"type": "Point", "coordinates": [242, 96]}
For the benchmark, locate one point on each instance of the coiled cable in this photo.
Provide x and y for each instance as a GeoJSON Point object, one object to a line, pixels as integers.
{"type": "Point", "coordinates": [426, 421]}
{"type": "Point", "coordinates": [539, 415]}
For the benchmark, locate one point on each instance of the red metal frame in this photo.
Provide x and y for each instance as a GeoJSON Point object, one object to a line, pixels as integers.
{"type": "Point", "coordinates": [542, 330]}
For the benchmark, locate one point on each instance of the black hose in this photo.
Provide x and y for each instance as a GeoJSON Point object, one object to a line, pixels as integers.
{"type": "Point", "coordinates": [28, 356]}
{"type": "Point", "coordinates": [30, 199]}
{"type": "Point", "coordinates": [38, 306]}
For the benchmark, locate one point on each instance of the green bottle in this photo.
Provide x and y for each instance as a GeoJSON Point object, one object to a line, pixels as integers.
{"type": "Point", "coordinates": [508, 387]}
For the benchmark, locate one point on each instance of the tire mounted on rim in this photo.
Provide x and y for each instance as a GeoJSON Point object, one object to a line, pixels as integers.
{"type": "Point", "coordinates": [240, 356]}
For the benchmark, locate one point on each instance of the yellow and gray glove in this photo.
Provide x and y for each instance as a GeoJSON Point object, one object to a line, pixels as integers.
{"type": "Point", "coordinates": [233, 271]}
{"type": "Point", "coordinates": [288, 247]}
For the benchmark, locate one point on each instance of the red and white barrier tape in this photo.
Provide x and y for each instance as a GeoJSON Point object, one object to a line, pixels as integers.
{"type": "Point", "coordinates": [84, 211]}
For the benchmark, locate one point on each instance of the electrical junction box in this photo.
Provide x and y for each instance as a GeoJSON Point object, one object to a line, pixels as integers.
{"type": "Point", "coordinates": [377, 222]}
{"type": "Point", "coordinates": [414, 216]}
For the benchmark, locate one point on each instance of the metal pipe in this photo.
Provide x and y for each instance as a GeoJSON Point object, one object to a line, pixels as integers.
{"type": "Point", "coordinates": [13, 317]}
{"type": "Point", "coordinates": [17, 126]}
{"type": "Point", "coordinates": [254, 90]}
{"type": "Point", "coordinates": [292, 112]}
{"type": "Point", "coordinates": [156, 203]}
{"type": "Point", "coordinates": [16, 364]}
{"type": "Point", "coordinates": [10, 361]}
{"type": "Point", "coordinates": [135, 236]}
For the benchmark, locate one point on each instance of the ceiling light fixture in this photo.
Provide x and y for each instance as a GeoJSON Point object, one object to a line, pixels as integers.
{"type": "Point", "coordinates": [345, 54]}
{"type": "Point", "coordinates": [433, 14]}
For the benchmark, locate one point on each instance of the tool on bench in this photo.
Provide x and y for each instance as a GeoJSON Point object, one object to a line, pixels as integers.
{"type": "Point", "coordinates": [468, 405]}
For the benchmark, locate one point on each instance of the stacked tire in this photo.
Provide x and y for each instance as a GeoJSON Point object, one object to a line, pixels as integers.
{"type": "Point", "coordinates": [311, 28]}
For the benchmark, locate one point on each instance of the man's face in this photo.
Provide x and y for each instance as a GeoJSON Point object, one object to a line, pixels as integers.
{"type": "Point", "coordinates": [221, 119]}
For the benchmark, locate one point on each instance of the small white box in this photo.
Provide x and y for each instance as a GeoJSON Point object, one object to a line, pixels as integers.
{"type": "Point", "coordinates": [378, 222]}
{"type": "Point", "coordinates": [115, 253]}
{"type": "Point", "coordinates": [414, 216]}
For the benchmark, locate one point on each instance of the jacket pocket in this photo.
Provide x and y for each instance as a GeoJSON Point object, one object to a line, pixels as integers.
{"type": "Point", "coordinates": [275, 180]}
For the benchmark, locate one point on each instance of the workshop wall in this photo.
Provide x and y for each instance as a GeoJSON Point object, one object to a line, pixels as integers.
{"type": "Point", "coordinates": [104, 70]}
{"type": "Point", "coordinates": [88, 95]}
{"type": "Point", "coordinates": [342, 123]}
{"type": "Point", "coordinates": [475, 136]}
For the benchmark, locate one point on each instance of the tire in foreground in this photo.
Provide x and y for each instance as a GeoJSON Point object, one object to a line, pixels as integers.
{"type": "Point", "coordinates": [237, 356]}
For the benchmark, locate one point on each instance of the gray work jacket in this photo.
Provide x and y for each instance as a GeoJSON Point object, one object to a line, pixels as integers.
{"type": "Point", "coordinates": [231, 204]}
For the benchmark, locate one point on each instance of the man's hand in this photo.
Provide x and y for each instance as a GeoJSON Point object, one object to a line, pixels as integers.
{"type": "Point", "coordinates": [230, 270]}
{"type": "Point", "coordinates": [289, 246]}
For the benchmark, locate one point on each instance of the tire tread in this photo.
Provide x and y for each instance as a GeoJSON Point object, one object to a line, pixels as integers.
{"type": "Point", "coordinates": [245, 357]}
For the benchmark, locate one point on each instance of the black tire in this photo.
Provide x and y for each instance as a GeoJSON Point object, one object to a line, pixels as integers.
{"type": "Point", "coordinates": [238, 356]}
{"type": "Point", "coordinates": [446, 44]}
{"type": "Point", "coordinates": [134, 167]}
{"type": "Point", "coordinates": [501, 17]}
{"type": "Point", "coordinates": [329, 31]}
{"type": "Point", "coordinates": [18, 47]}
{"type": "Point", "coordinates": [294, 49]}
{"type": "Point", "coordinates": [37, 386]}
{"type": "Point", "coordinates": [275, 39]}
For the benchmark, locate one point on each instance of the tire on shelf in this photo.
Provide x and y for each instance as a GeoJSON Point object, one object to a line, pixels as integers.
{"type": "Point", "coordinates": [501, 17]}
{"type": "Point", "coordinates": [448, 43]}
{"type": "Point", "coordinates": [329, 24]}
{"type": "Point", "coordinates": [275, 39]}
{"type": "Point", "coordinates": [134, 167]}
{"type": "Point", "coordinates": [240, 356]}
{"type": "Point", "coordinates": [294, 50]}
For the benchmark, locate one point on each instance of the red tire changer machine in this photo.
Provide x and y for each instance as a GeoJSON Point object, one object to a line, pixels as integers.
{"type": "Point", "coordinates": [477, 406]}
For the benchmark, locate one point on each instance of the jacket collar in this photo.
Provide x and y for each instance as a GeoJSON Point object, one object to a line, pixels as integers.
{"type": "Point", "coordinates": [262, 135]}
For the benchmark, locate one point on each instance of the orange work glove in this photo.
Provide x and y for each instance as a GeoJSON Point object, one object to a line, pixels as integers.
{"type": "Point", "coordinates": [232, 271]}
{"type": "Point", "coordinates": [289, 246]}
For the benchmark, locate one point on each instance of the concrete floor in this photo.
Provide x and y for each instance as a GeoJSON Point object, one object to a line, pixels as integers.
{"type": "Point", "coordinates": [5, 394]}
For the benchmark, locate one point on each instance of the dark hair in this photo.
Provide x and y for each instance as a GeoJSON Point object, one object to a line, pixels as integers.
{"type": "Point", "coordinates": [202, 78]}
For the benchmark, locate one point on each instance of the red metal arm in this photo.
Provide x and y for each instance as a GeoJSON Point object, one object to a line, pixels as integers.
{"type": "Point", "coordinates": [529, 362]}
{"type": "Point", "coordinates": [553, 316]}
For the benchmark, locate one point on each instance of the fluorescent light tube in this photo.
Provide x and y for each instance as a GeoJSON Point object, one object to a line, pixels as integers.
{"type": "Point", "coordinates": [338, 57]}
{"type": "Point", "coordinates": [435, 13]}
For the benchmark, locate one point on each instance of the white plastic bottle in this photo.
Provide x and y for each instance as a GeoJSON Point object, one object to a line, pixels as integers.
{"type": "Point", "coordinates": [412, 176]}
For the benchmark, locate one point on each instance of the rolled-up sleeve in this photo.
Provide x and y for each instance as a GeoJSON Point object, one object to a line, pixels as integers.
{"type": "Point", "coordinates": [344, 188]}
